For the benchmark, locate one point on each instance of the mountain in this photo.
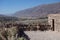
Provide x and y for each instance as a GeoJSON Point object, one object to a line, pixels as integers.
{"type": "Point", "coordinates": [7, 18]}
{"type": "Point", "coordinates": [39, 11]}
{"type": "Point", "coordinates": [1, 15]}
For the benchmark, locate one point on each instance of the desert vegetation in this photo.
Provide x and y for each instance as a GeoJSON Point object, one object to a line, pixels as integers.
{"type": "Point", "coordinates": [13, 29]}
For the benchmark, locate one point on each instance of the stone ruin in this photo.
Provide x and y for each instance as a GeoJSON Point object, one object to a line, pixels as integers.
{"type": "Point", "coordinates": [54, 21]}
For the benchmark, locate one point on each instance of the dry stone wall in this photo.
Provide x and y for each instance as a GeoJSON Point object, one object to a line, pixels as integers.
{"type": "Point", "coordinates": [56, 18]}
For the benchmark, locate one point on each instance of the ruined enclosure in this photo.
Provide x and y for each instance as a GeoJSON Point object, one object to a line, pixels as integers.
{"type": "Point", "coordinates": [54, 21]}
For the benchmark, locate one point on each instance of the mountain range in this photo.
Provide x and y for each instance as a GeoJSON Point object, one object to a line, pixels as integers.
{"type": "Point", "coordinates": [39, 11]}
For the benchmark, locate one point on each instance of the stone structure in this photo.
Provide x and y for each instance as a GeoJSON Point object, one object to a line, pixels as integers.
{"type": "Point", "coordinates": [54, 21]}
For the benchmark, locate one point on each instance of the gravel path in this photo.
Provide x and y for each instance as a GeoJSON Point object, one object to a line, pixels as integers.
{"type": "Point", "coordinates": [38, 35]}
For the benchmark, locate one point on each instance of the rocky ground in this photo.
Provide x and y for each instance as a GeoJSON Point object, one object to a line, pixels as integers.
{"type": "Point", "coordinates": [46, 35]}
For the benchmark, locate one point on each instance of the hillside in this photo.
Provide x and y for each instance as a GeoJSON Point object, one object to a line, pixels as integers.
{"type": "Point", "coordinates": [39, 11]}
{"type": "Point", "coordinates": [7, 18]}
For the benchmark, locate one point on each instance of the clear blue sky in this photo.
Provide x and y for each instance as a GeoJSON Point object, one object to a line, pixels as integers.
{"type": "Point", "coordinates": [11, 6]}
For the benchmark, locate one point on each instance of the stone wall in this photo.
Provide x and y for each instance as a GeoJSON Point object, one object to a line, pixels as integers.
{"type": "Point", "coordinates": [56, 18]}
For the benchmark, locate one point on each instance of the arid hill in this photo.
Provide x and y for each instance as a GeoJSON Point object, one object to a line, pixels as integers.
{"type": "Point", "coordinates": [39, 11]}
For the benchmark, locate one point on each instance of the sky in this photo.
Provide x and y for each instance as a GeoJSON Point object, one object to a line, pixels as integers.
{"type": "Point", "coordinates": [8, 7]}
